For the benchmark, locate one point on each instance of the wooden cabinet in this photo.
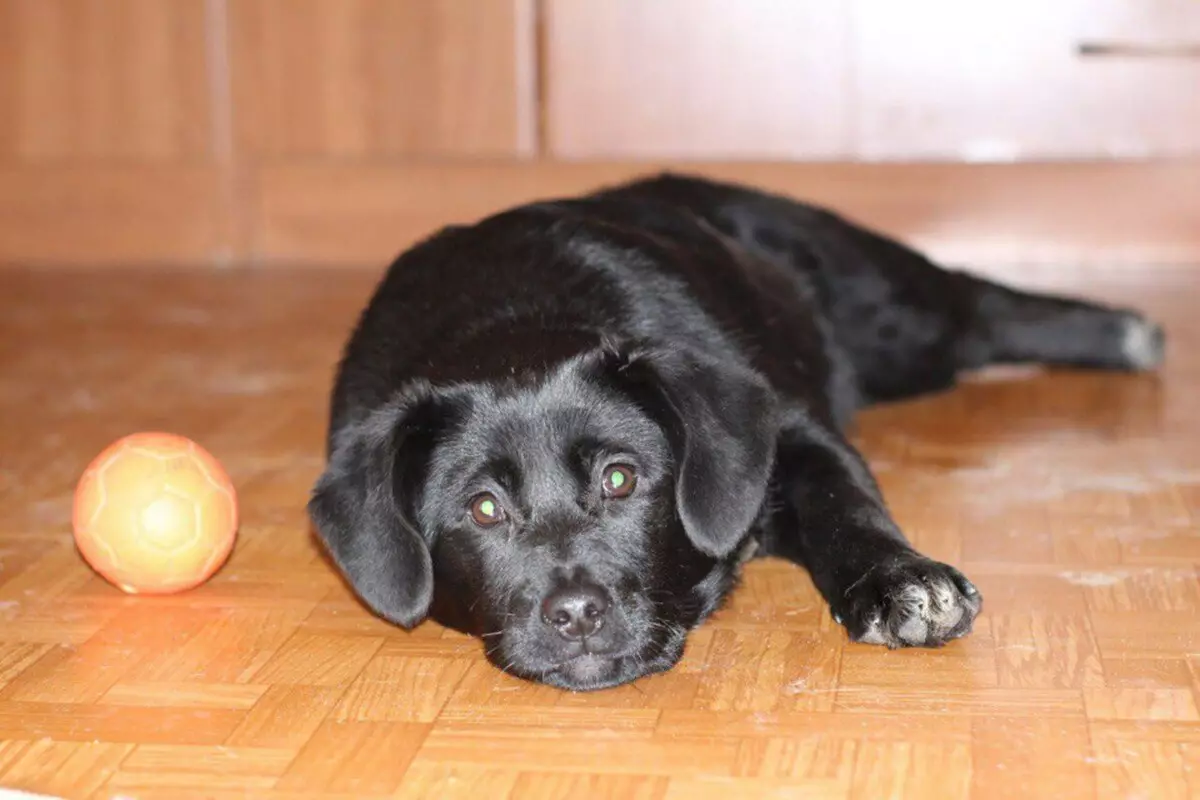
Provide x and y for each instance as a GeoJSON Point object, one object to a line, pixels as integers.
{"type": "Point", "coordinates": [223, 131]}
{"type": "Point", "coordinates": [356, 78]}
{"type": "Point", "coordinates": [1026, 80]}
{"type": "Point", "coordinates": [153, 131]}
{"type": "Point", "coordinates": [190, 80]}
{"type": "Point", "coordinates": [997, 80]}
{"type": "Point", "coordinates": [109, 144]}
{"type": "Point", "coordinates": [117, 79]}
{"type": "Point", "coordinates": [710, 79]}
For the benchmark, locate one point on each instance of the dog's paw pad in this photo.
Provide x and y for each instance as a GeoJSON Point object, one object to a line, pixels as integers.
{"type": "Point", "coordinates": [914, 603]}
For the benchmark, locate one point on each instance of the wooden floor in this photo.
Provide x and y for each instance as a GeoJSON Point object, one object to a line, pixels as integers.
{"type": "Point", "coordinates": [1072, 500]}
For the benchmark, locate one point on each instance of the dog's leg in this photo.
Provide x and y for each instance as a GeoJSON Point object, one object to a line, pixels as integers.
{"type": "Point", "coordinates": [1011, 326]}
{"type": "Point", "coordinates": [832, 520]}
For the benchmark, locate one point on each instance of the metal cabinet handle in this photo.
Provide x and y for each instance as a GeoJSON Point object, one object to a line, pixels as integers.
{"type": "Point", "coordinates": [1103, 49]}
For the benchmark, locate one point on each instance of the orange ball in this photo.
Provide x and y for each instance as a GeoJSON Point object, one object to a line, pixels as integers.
{"type": "Point", "coordinates": [155, 513]}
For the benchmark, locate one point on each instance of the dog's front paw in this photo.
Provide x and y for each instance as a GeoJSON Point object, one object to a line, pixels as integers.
{"type": "Point", "coordinates": [911, 602]}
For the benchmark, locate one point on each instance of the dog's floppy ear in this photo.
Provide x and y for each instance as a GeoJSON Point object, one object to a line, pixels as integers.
{"type": "Point", "coordinates": [720, 421]}
{"type": "Point", "coordinates": [362, 505]}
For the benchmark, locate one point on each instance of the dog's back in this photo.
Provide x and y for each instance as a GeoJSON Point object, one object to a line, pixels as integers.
{"type": "Point", "coordinates": [526, 288]}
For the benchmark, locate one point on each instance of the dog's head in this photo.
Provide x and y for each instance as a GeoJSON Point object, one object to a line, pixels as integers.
{"type": "Point", "coordinates": [580, 523]}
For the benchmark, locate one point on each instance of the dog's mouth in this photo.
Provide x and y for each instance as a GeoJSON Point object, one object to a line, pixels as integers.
{"type": "Point", "coordinates": [587, 671]}
{"type": "Point", "coordinates": [619, 655]}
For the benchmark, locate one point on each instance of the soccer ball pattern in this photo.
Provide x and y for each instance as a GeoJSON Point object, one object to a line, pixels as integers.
{"type": "Point", "coordinates": [155, 513]}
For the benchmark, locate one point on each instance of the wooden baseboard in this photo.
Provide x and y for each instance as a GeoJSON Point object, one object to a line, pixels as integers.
{"type": "Point", "coordinates": [1134, 214]}
{"type": "Point", "coordinates": [82, 215]}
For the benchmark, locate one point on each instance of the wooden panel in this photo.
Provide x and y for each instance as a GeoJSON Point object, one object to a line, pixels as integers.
{"type": "Point", "coordinates": [362, 214]}
{"type": "Point", "coordinates": [105, 214]}
{"type": "Point", "coordinates": [696, 78]}
{"type": "Point", "coordinates": [1172, 25]}
{"type": "Point", "coordinates": [367, 77]}
{"type": "Point", "coordinates": [1005, 80]}
{"type": "Point", "coordinates": [103, 79]}
{"type": "Point", "coordinates": [1027, 213]}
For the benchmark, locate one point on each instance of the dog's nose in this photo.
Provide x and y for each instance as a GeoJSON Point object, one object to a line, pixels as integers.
{"type": "Point", "coordinates": [576, 612]}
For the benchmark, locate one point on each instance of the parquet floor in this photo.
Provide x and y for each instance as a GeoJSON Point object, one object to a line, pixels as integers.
{"type": "Point", "coordinates": [1073, 501]}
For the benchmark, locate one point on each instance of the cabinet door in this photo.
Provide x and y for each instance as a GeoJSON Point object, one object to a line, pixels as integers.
{"type": "Point", "coordinates": [355, 78]}
{"type": "Point", "coordinates": [109, 140]}
{"type": "Point", "coordinates": [119, 79]}
{"type": "Point", "coordinates": [1027, 79]}
{"type": "Point", "coordinates": [696, 78]}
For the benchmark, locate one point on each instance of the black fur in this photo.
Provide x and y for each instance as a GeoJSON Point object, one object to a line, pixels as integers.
{"type": "Point", "coordinates": [708, 341]}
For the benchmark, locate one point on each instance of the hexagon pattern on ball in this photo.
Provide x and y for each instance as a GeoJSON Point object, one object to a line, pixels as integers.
{"type": "Point", "coordinates": [155, 513]}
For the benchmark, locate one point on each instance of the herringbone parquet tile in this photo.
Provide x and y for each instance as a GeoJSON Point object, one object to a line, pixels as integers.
{"type": "Point", "coordinates": [1073, 501]}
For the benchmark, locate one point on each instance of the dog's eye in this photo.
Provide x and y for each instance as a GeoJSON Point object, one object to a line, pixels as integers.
{"type": "Point", "coordinates": [619, 481]}
{"type": "Point", "coordinates": [486, 510]}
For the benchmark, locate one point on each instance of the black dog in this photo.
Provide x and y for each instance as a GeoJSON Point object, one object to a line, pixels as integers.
{"type": "Point", "coordinates": [564, 428]}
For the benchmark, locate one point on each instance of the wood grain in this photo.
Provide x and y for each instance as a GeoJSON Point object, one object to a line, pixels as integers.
{"type": "Point", "coordinates": [1028, 214]}
{"type": "Point", "coordinates": [105, 214]}
{"type": "Point", "coordinates": [271, 681]}
{"type": "Point", "coordinates": [317, 213]}
{"type": "Point", "coordinates": [360, 78]}
{"type": "Point", "coordinates": [331, 132]}
{"type": "Point", "coordinates": [112, 80]}
{"type": "Point", "coordinates": [756, 79]}
{"type": "Point", "coordinates": [872, 79]}
{"type": "Point", "coordinates": [1006, 81]}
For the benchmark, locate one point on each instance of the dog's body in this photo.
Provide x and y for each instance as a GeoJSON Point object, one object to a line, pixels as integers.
{"type": "Point", "coordinates": [565, 427]}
